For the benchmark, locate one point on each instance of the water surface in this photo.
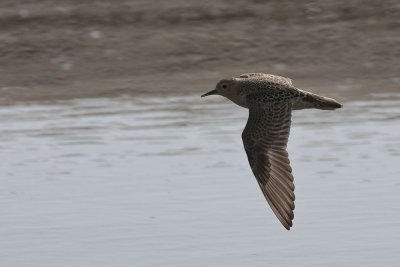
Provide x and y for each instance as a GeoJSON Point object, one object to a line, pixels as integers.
{"type": "Point", "coordinates": [165, 182]}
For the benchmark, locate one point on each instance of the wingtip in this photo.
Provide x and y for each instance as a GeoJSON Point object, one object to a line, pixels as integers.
{"type": "Point", "coordinates": [336, 104]}
{"type": "Point", "coordinates": [288, 225]}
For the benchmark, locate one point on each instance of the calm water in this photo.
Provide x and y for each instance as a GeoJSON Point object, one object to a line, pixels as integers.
{"type": "Point", "coordinates": [165, 182]}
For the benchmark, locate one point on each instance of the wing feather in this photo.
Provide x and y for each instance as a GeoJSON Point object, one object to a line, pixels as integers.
{"type": "Point", "coordinates": [265, 139]}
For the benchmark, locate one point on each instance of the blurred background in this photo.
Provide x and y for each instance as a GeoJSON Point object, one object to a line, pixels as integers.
{"type": "Point", "coordinates": [109, 157]}
{"type": "Point", "coordinates": [69, 49]}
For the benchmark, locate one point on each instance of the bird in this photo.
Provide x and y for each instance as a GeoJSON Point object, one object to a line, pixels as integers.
{"type": "Point", "coordinates": [270, 100]}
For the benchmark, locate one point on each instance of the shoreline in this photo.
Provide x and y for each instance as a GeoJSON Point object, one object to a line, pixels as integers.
{"type": "Point", "coordinates": [51, 52]}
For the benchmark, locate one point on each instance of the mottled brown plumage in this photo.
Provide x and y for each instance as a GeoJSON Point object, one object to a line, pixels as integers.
{"type": "Point", "coordinates": [270, 100]}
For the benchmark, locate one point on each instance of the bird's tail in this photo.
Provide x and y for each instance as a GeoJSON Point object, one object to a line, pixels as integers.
{"type": "Point", "coordinates": [321, 102]}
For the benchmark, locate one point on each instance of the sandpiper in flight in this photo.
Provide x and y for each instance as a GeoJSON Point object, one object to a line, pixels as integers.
{"type": "Point", "coordinates": [270, 100]}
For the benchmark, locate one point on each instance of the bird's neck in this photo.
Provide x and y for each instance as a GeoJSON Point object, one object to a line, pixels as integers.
{"type": "Point", "coordinates": [238, 99]}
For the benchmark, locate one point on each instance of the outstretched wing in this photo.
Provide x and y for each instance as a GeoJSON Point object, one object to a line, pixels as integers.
{"type": "Point", "coordinates": [265, 139]}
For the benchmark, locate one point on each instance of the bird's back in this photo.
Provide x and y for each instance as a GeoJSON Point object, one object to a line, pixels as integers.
{"type": "Point", "coordinates": [265, 88]}
{"type": "Point", "coordinates": [269, 78]}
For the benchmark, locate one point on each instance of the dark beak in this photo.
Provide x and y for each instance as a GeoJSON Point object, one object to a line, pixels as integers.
{"type": "Point", "coordinates": [212, 92]}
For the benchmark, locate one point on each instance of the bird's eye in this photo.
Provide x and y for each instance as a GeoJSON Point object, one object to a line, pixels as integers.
{"type": "Point", "coordinates": [224, 86]}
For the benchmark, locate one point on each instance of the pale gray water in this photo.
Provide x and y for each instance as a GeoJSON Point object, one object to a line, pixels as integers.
{"type": "Point", "coordinates": [165, 182]}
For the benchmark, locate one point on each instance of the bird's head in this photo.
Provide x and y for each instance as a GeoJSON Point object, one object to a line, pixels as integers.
{"type": "Point", "coordinates": [229, 88]}
{"type": "Point", "coordinates": [225, 87]}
